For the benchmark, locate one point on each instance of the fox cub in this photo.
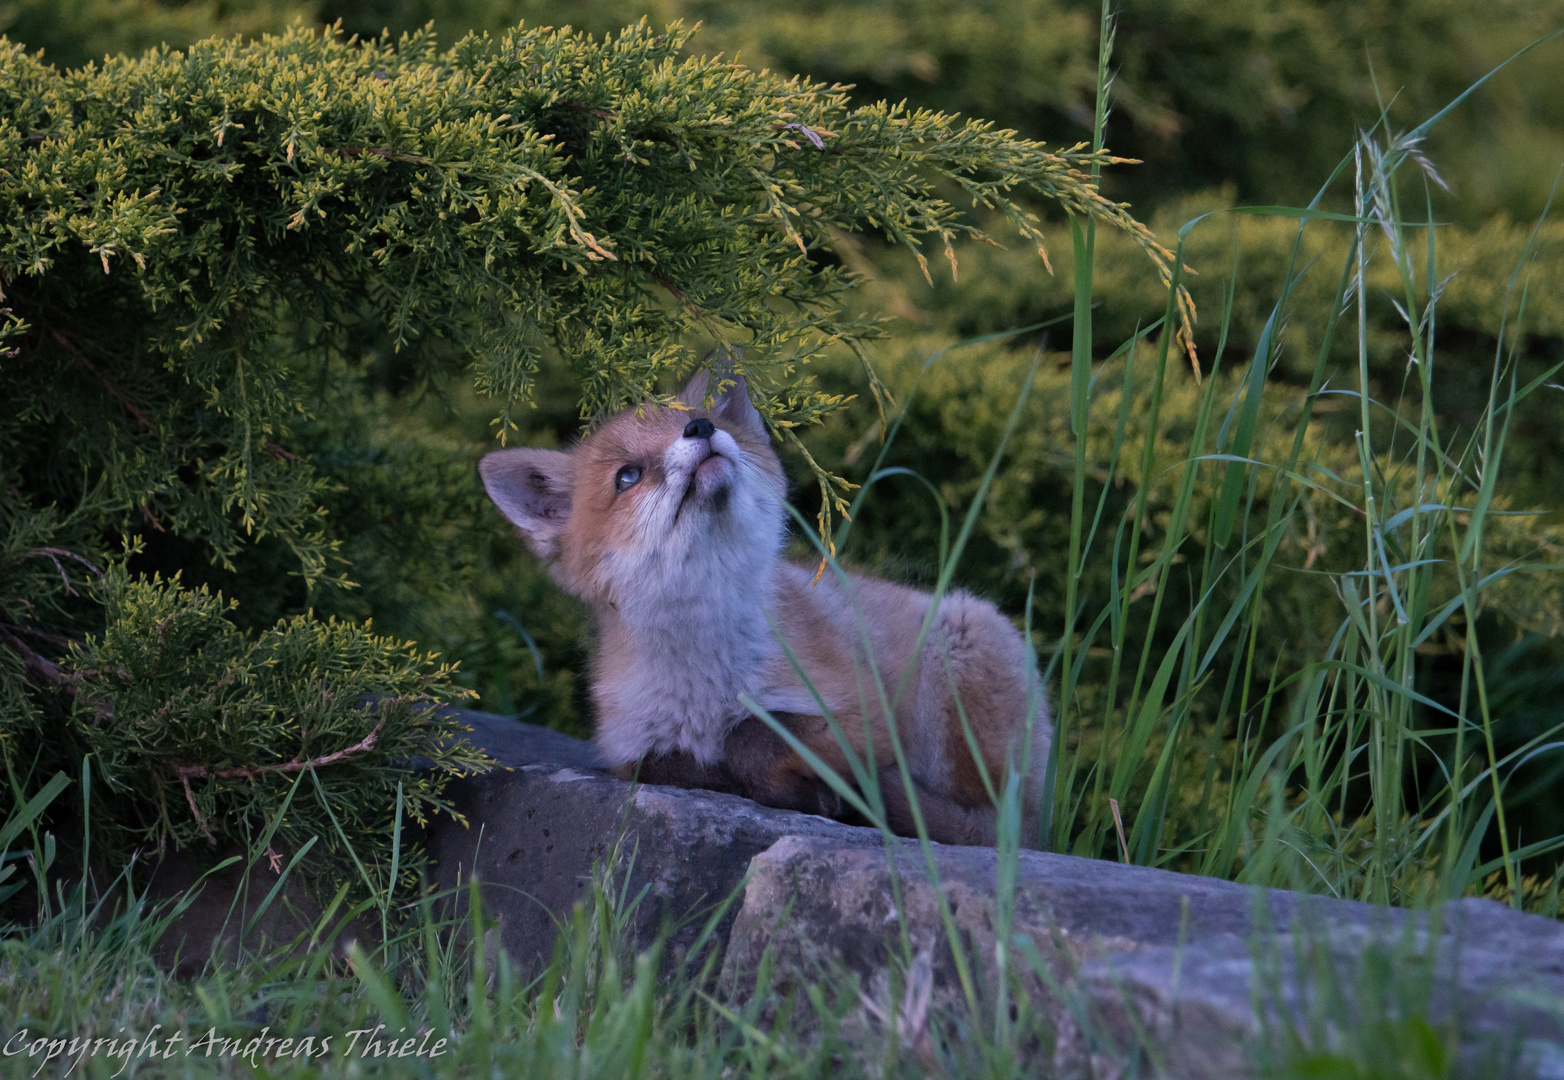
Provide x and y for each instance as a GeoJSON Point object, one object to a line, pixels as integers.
{"type": "Point", "coordinates": [670, 524]}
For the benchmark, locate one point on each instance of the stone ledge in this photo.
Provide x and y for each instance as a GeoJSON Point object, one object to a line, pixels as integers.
{"type": "Point", "coordinates": [1169, 954]}
{"type": "Point", "coordinates": [1131, 948]}
{"type": "Point", "coordinates": [538, 826]}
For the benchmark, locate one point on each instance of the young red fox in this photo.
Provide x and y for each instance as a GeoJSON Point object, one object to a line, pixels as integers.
{"type": "Point", "coordinates": [670, 524]}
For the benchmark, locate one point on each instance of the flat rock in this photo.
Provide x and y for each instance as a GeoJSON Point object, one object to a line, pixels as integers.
{"type": "Point", "coordinates": [1129, 956]}
{"type": "Point", "coordinates": [516, 744]}
{"type": "Point", "coordinates": [1117, 956]}
{"type": "Point", "coordinates": [1172, 961]}
{"type": "Point", "coordinates": [542, 824]}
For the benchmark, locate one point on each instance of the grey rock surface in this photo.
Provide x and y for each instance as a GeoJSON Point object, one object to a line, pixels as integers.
{"type": "Point", "coordinates": [1136, 955]}
{"type": "Point", "coordinates": [539, 824]}
{"type": "Point", "coordinates": [1124, 955]}
{"type": "Point", "coordinates": [1131, 953]}
{"type": "Point", "coordinates": [516, 744]}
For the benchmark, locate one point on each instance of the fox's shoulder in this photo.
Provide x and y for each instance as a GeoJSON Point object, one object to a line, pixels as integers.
{"type": "Point", "coordinates": [802, 574]}
{"type": "Point", "coordinates": [804, 596]}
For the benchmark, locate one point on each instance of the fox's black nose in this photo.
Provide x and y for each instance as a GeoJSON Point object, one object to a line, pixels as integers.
{"type": "Point", "coordinates": [699, 429]}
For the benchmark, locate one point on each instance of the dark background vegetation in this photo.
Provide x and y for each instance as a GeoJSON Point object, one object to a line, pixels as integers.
{"type": "Point", "coordinates": [1226, 101]}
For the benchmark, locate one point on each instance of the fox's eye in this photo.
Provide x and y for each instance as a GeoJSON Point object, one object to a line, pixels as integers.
{"type": "Point", "coordinates": [625, 479]}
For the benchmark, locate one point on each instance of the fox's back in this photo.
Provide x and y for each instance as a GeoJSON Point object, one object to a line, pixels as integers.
{"type": "Point", "coordinates": [970, 651]}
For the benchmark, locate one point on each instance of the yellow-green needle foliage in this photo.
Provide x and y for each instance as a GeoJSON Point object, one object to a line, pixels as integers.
{"type": "Point", "coordinates": [193, 243]}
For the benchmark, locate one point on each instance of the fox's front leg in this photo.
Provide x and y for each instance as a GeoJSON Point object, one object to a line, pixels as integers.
{"type": "Point", "coordinates": [756, 763]}
{"type": "Point", "coordinates": [679, 770]}
{"type": "Point", "coordinates": [767, 770]}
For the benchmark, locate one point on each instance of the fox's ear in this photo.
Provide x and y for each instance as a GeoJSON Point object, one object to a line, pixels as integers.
{"type": "Point", "coordinates": [732, 405]}
{"type": "Point", "coordinates": [532, 489]}
{"type": "Point", "coordinates": [694, 392]}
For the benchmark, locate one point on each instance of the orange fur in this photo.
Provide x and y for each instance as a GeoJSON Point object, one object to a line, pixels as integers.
{"type": "Point", "coordinates": [670, 525]}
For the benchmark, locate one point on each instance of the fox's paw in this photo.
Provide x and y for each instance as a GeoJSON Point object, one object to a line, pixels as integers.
{"type": "Point", "coordinates": [827, 802]}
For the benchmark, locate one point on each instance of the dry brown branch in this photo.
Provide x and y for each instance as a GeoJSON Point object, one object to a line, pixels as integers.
{"type": "Point", "coordinates": [53, 555]}
{"type": "Point", "coordinates": [201, 772]}
{"type": "Point", "coordinates": [190, 798]}
{"type": "Point", "coordinates": [601, 114]}
{"type": "Point", "coordinates": [186, 773]}
{"type": "Point", "coordinates": [42, 635]}
{"type": "Point", "coordinates": [115, 392]}
{"type": "Point", "coordinates": [46, 669]}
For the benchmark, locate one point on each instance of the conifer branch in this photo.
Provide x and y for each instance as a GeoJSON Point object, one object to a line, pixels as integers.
{"type": "Point", "coordinates": [45, 669]}
{"type": "Point", "coordinates": [537, 192]}
{"type": "Point", "coordinates": [115, 392]}
{"type": "Point", "coordinates": [53, 555]}
{"type": "Point", "coordinates": [187, 773]}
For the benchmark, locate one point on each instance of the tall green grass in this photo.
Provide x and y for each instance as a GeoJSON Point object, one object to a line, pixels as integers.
{"type": "Point", "coordinates": [1213, 739]}
{"type": "Point", "coordinates": [1317, 792]}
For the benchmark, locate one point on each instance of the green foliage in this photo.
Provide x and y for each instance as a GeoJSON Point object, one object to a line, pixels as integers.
{"type": "Point", "coordinates": [208, 254]}
{"type": "Point", "coordinates": [208, 732]}
{"type": "Point", "coordinates": [267, 193]}
{"type": "Point", "coordinates": [953, 427]}
{"type": "Point", "coordinates": [1253, 255]}
{"type": "Point", "coordinates": [432, 558]}
{"type": "Point", "coordinates": [1263, 94]}
{"type": "Point", "coordinates": [74, 32]}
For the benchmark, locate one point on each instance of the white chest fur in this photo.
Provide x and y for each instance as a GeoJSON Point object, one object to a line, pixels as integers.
{"type": "Point", "coordinates": [682, 648]}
